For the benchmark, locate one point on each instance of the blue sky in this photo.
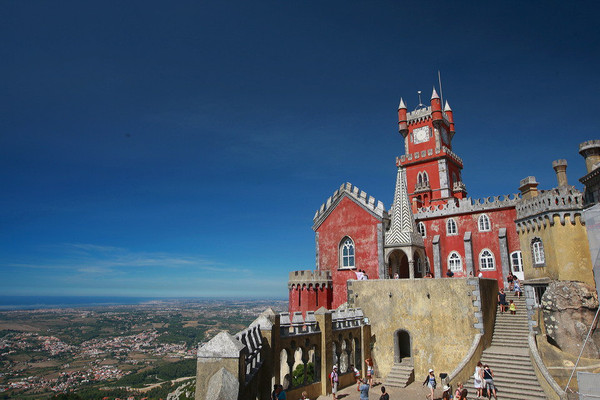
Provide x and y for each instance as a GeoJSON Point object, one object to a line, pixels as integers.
{"type": "Point", "coordinates": [182, 148]}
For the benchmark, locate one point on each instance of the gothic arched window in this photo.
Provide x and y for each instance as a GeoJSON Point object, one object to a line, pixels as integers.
{"type": "Point", "coordinates": [347, 253]}
{"type": "Point", "coordinates": [537, 252]}
{"type": "Point", "coordinates": [486, 260]}
{"type": "Point", "coordinates": [454, 262]}
{"type": "Point", "coordinates": [421, 229]}
{"type": "Point", "coordinates": [425, 178]}
{"type": "Point", "coordinates": [484, 223]}
{"type": "Point", "coordinates": [451, 227]}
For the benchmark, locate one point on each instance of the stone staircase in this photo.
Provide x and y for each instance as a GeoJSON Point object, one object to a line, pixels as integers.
{"type": "Point", "coordinates": [508, 357]}
{"type": "Point", "coordinates": [401, 375]}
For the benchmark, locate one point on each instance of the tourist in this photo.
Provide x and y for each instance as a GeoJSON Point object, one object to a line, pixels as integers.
{"type": "Point", "coordinates": [304, 396]}
{"type": "Point", "coordinates": [275, 392]}
{"type": "Point", "coordinates": [459, 389]}
{"type": "Point", "coordinates": [518, 289]}
{"type": "Point", "coordinates": [384, 395]}
{"type": "Point", "coordinates": [502, 300]}
{"type": "Point", "coordinates": [446, 393]}
{"type": "Point", "coordinates": [363, 388]}
{"type": "Point", "coordinates": [480, 274]}
{"type": "Point", "coordinates": [364, 276]}
{"type": "Point", "coordinates": [478, 382]}
{"type": "Point", "coordinates": [396, 276]}
{"type": "Point", "coordinates": [359, 274]}
{"type": "Point", "coordinates": [370, 370]}
{"type": "Point", "coordinates": [356, 373]}
{"type": "Point", "coordinates": [509, 278]}
{"type": "Point", "coordinates": [512, 307]}
{"type": "Point", "coordinates": [281, 393]}
{"type": "Point", "coordinates": [449, 274]}
{"type": "Point", "coordinates": [488, 375]}
{"type": "Point", "coordinates": [334, 378]}
{"type": "Point", "coordinates": [431, 383]}
{"type": "Point", "coordinates": [463, 394]}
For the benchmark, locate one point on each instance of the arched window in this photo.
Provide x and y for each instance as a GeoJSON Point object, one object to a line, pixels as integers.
{"type": "Point", "coordinates": [454, 262]}
{"type": "Point", "coordinates": [516, 261]}
{"type": "Point", "coordinates": [347, 253]}
{"type": "Point", "coordinates": [451, 228]}
{"type": "Point", "coordinates": [484, 223]}
{"type": "Point", "coordinates": [425, 178]}
{"type": "Point", "coordinates": [454, 180]}
{"type": "Point", "coordinates": [537, 252]}
{"type": "Point", "coordinates": [486, 260]}
{"type": "Point", "coordinates": [421, 229]}
{"type": "Point", "coordinates": [419, 178]}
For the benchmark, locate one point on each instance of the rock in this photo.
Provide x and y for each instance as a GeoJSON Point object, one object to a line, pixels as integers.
{"type": "Point", "coordinates": [569, 309]}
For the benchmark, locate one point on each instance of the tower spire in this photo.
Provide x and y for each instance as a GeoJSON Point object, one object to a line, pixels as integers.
{"type": "Point", "coordinates": [403, 230]}
{"type": "Point", "coordinates": [434, 94]}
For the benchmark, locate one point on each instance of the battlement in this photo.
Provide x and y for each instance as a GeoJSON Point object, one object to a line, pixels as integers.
{"type": "Point", "coordinates": [561, 201]}
{"type": "Point", "coordinates": [428, 153]}
{"type": "Point", "coordinates": [589, 144]}
{"type": "Point", "coordinates": [314, 278]}
{"type": "Point", "coordinates": [361, 197]}
{"type": "Point", "coordinates": [468, 205]}
{"type": "Point", "coordinates": [295, 324]}
{"type": "Point", "coordinates": [423, 114]}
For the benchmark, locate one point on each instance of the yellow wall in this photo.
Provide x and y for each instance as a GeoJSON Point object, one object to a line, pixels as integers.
{"type": "Point", "coordinates": [566, 251]}
{"type": "Point", "coordinates": [438, 314]}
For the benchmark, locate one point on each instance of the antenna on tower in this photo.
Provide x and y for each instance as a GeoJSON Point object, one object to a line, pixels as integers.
{"type": "Point", "coordinates": [441, 91]}
{"type": "Point", "coordinates": [420, 105]}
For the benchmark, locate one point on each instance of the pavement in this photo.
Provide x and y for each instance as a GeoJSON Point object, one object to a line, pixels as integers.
{"type": "Point", "coordinates": [414, 391]}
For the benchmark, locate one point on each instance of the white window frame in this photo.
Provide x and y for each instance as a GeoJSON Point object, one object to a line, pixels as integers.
{"type": "Point", "coordinates": [347, 244]}
{"type": "Point", "coordinates": [537, 252]}
{"type": "Point", "coordinates": [451, 227]}
{"type": "Point", "coordinates": [484, 263]}
{"type": "Point", "coordinates": [518, 263]}
{"type": "Point", "coordinates": [484, 224]}
{"type": "Point", "coordinates": [454, 262]}
{"type": "Point", "coordinates": [422, 229]}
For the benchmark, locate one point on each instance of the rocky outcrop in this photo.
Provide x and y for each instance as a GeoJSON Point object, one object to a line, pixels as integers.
{"type": "Point", "coordinates": [569, 309]}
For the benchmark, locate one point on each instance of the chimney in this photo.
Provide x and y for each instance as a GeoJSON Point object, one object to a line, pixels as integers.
{"type": "Point", "coordinates": [590, 150]}
{"type": "Point", "coordinates": [528, 187]}
{"type": "Point", "coordinates": [560, 167]}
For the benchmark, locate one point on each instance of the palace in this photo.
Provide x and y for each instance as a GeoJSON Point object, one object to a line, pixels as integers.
{"type": "Point", "coordinates": [407, 324]}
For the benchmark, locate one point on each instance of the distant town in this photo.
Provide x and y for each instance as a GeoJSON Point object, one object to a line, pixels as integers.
{"type": "Point", "coordinates": [133, 351]}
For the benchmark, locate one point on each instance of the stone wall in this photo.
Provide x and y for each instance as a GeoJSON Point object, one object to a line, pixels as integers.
{"type": "Point", "coordinates": [442, 316]}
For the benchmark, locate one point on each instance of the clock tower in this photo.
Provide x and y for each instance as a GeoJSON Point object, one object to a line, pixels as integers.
{"type": "Point", "coordinates": [433, 171]}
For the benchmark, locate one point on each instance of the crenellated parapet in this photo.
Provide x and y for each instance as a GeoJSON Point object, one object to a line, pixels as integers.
{"type": "Point", "coordinates": [295, 324]}
{"type": "Point", "coordinates": [429, 153]}
{"type": "Point", "coordinates": [360, 197]}
{"type": "Point", "coordinates": [540, 211]}
{"type": "Point", "coordinates": [309, 278]}
{"type": "Point", "coordinates": [423, 114]}
{"type": "Point", "coordinates": [468, 205]}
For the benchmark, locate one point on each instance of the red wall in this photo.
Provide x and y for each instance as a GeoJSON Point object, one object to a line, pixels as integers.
{"type": "Point", "coordinates": [480, 240]}
{"type": "Point", "coordinates": [307, 300]}
{"type": "Point", "coordinates": [348, 219]}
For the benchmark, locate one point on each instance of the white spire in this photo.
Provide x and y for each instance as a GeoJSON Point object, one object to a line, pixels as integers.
{"type": "Point", "coordinates": [401, 105]}
{"type": "Point", "coordinates": [447, 107]}
{"type": "Point", "coordinates": [434, 95]}
{"type": "Point", "coordinates": [403, 230]}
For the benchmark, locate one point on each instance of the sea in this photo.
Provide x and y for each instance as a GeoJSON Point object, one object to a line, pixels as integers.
{"type": "Point", "coordinates": [45, 302]}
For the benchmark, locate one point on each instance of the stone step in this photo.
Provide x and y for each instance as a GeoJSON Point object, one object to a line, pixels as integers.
{"type": "Point", "coordinates": [401, 376]}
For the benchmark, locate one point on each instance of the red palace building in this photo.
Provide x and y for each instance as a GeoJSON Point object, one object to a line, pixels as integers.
{"type": "Point", "coordinates": [432, 225]}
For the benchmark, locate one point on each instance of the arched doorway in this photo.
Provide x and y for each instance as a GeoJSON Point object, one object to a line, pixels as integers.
{"type": "Point", "coordinates": [419, 269]}
{"type": "Point", "coordinates": [402, 346]}
{"type": "Point", "coordinates": [398, 264]}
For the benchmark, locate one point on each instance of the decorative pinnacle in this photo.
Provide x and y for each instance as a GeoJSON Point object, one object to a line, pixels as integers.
{"type": "Point", "coordinates": [402, 105]}
{"type": "Point", "coordinates": [447, 107]}
{"type": "Point", "coordinates": [434, 95]}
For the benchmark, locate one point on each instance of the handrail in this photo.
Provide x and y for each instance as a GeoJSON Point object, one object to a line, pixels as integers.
{"type": "Point", "coordinates": [458, 373]}
{"type": "Point", "coordinates": [539, 365]}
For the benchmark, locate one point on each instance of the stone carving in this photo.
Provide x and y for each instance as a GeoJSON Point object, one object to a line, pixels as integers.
{"type": "Point", "coordinates": [347, 189]}
{"type": "Point", "coordinates": [468, 205]}
{"type": "Point", "coordinates": [569, 309]}
{"type": "Point", "coordinates": [223, 385]}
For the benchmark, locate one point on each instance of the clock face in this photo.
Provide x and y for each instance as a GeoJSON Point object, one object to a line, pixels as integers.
{"type": "Point", "coordinates": [421, 134]}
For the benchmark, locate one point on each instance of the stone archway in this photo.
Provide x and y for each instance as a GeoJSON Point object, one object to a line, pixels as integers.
{"type": "Point", "coordinates": [402, 346]}
{"type": "Point", "coordinates": [419, 265]}
{"type": "Point", "coordinates": [398, 264]}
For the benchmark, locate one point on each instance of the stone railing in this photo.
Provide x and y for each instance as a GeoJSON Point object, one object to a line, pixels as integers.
{"type": "Point", "coordinates": [368, 202]}
{"type": "Point", "coordinates": [309, 277]}
{"type": "Point", "coordinates": [422, 187]}
{"type": "Point", "coordinates": [540, 210]}
{"type": "Point", "coordinates": [347, 318]}
{"type": "Point", "coordinates": [430, 152]}
{"type": "Point", "coordinates": [459, 187]}
{"type": "Point", "coordinates": [298, 325]}
{"type": "Point", "coordinates": [468, 205]}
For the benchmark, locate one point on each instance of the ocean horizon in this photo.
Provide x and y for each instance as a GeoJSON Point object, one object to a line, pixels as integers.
{"type": "Point", "coordinates": [8, 303]}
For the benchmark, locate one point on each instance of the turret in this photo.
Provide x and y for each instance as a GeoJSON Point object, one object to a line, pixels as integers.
{"type": "Point", "coordinates": [448, 112]}
{"type": "Point", "coordinates": [402, 120]}
{"type": "Point", "coordinates": [436, 107]}
{"type": "Point", "coordinates": [590, 150]}
{"type": "Point", "coordinates": [528, 187]}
